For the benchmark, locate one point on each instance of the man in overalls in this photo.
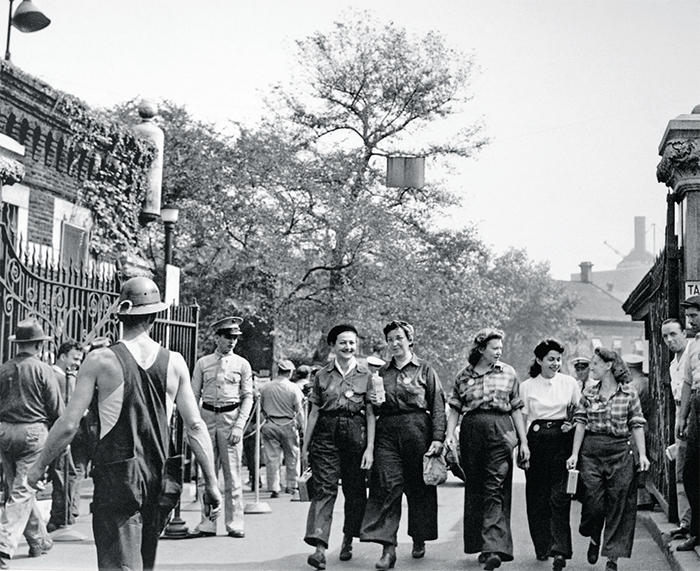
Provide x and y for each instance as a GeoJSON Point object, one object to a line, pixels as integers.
{"type": "Point", "coordinates": [137, 382]}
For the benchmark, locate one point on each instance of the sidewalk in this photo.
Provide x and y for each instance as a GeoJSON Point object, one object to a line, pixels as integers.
{"type": "Point", "coordinates": [660, 528]}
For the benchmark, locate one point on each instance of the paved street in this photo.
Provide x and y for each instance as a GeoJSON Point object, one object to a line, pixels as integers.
{"type": "Point", "coordinates": [274, 541]}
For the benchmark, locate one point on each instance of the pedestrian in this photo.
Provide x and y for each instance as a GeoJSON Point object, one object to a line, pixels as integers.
{"type": "Point", "coordinates": [30, 402]}
{"type": "Point", "coordinates": [339, 444]}
{"type": "Point", "coordinates": [688, 420]}
{"type": "Point", "coordinates": [137, 382]}
{"type": "Point", "coordinates": [224, 383]}
{"type": "Point", "coordinates": [548, 397]}
{"type": "Point", "coordinates": [63, 473]}
{"type": "Point", "coordinates": [607, 415]}
{"type": "Point", "coordinates": [410, 425]}
{"type": "Point", "coordinates": [281, 404]}
{"type": "Point", "coordinates": [303, 379]}
{"type": "Point", "coordinates": [673, 334]}
{"type": "Point", "coordinates": [487, 393]}
{"type": "Point", "coordinates": [582, 370]}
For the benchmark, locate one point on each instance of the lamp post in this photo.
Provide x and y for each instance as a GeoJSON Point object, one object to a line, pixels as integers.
{"type": "Point", "coordinates": [28, 18]}
{"type": "Point", "coordinates": [169, 215]}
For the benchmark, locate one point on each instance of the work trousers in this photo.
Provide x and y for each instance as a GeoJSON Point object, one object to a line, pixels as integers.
{"type": "Point", "coordinates": [228, 459]}
{"type": "Point", "coordinates": [684, 511]}
{"type": "Point", "coordinates": [20, 446]}
{"type": "Point", "coordinates": [400, 443]}
{"type": "Point", "coordinates": [486, 441]}
{"type": "Point", "coordinates": [548, 504]}
{"type": "Point", "coordinates": [691, 470]}
{"type": "Point", "coordinates": [606, 468]}
{"type": "Point", "coordinates": [335, 453]}
{"type": "Point", "coordinates": [61, 488]}
{"type": "Point", "coordinates": [278, 440]}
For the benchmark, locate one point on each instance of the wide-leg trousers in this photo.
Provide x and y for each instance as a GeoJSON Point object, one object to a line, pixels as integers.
{"type": "Point", "coordinates": [400, 443]}
{"type": "Point", "coordinates": [606, 468]}
{"type": "Point", "coordinates": [691, 469]}
{"type": "Point", "coordinates": [548, 504]}
{"type": "Point", "coordinates": [486, 441]}
{"type": "Point", "coordinates": [335, 453]}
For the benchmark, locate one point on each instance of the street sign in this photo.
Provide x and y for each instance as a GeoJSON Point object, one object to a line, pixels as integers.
{"type": "Point", "coordinates": [692, 288]}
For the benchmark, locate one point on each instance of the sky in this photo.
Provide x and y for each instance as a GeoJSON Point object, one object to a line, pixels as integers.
{"type": "Point", "coordinates": [575, 95]}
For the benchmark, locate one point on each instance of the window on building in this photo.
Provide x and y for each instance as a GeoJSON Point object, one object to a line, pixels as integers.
{"type": "Point", "coordinates": [596, 343]}
{"type": "Point", "coordinates": [617, 343]}
{"type": "Point", "coordinates": [74, 241]}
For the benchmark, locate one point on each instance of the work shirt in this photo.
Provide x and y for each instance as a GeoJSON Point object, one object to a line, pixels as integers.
{"type": "Point", "coordinates": [549, 399]}
{"type": "Point", "coordinates": [677, 371]}
{"type": "Point", "coordinates": [332, 392]}
{"type": "Point", "coordinates": [497, 389]}
{"type": "Point", "coordinates": [281, 398]}
{"type": "Point", "coordinates": [415, 386]}
{"type": "Point", "coordinates": [691, 375]}
{"type": "Point", "coordinates": [224, 379]}
{"type": "Point", "coordinates": [615, 416]}
{"type": "Point", "coordinates": [29, 391]}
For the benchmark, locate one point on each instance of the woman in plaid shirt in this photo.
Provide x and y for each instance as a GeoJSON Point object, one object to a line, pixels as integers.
{"type": "Point", "coordinates": [607, 415]}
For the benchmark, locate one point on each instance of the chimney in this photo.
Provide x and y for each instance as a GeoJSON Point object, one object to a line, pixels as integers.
{"type": "Point", "coordinates": [586, 271]}
{"type": "Point", "coordinates": [640, 244]}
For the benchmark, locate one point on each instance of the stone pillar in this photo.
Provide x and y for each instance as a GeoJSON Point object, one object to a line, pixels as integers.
{"type": "Point", "coordinates": [149, 130]}
{"type": "Point", "coordinates": [679, 169]}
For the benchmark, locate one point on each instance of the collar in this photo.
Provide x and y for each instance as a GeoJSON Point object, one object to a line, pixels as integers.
{"type": "Point", "coordinates": [353, 365]}
{"type": "Point", "coordinates": [221, 355]}
{"type": "Point", "coordinates": [497, 366]}
{"type": "Point", "coordinates": [413, 360]}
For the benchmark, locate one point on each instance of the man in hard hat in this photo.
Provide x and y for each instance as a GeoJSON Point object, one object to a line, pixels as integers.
{"type": "Point", "coordinates": [224, 383]}
{"type": "Point", "coordinates": [137, 383]}
{"type": "Point", "coordinates": [30, 402]}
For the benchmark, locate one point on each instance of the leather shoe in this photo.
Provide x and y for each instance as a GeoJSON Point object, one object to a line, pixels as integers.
{"type": "Point", "coordinates": [317, 560]}
{"type": "Point", "coordinates": [611, 566]}
{"type": "Point", "coordinates": [492, 562]}
{"type": "Point", "coordinates": [559, 563]}
{"type": "Point", "coordinates": [418, 549]}
{"type": "Point", "coordinates": [197, 533]}
{"type": "Point", "coordinates": [688, 545]}
{"type": "Point", "coordinates": [482, 557]}
{"type": "Point", "coordinates": [39, 550]}
{"type": "Point", "coordinates": [274, 495]}
{"type": "Point", "coordinates": [388, 559]}
{"type": "Point", "coordinates": [592, 554]}
{"type": "Point", "coordinates": [541, 557]}
{"type": "Point", "coordinates": [237, 534]}
{"type": "Point", "coordinates": [346, 551]}
{"type": "Point", "coordinates": [679, 533]}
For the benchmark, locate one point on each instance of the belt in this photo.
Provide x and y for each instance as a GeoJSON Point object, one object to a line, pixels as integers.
{"type": "Point", "coordinates": [549, 423]}
{"type": "Point", "coordinates": [402, 412]}
{"type": "Point", "coordinates": [218, 409]}
{"type": "Point", "coordinates": [345, 413]}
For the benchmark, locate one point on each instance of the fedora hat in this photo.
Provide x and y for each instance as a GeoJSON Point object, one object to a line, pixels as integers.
{"type": "Point", "coordinates": [29, 330]}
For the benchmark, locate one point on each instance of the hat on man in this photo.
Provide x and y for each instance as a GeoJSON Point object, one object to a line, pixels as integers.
{"type": "Point", "coordinates": [140, 296]}
{"type": "Point", "coordinates": [692, 301]}
{"type": "Point", "coordinates": [373, 361]}
{"type": "Point", "coordinates": [228, 325]}
{"type": "Point", "coordinates": [633, 360]}
{"type": "Point", "coordinates": [582, 360]}
{"type": "Point", "coordinates": [29, 330]}
{"type": "Point", "coordinates": [285, 365]}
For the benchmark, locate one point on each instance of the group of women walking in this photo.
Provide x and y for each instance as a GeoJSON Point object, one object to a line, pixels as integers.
{"type": "Point", "coordinates": [555, 427]}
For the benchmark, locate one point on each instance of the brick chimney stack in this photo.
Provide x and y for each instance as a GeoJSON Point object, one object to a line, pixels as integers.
{"type": "Point", "coordinates": [586, 271]}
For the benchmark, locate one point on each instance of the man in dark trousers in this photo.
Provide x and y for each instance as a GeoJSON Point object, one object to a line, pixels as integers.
{"type": "Point", "coordinates": [30, 402]}
{"type": "Point", "coordinates": [137, 382]}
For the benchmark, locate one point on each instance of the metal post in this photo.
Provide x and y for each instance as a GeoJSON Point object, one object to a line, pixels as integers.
{"type": "Point", "coordinates": [258, 507]}
{"type": "Point", "coordinates": [9, 29]}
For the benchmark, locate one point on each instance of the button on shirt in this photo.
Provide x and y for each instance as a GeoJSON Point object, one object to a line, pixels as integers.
{"type": "Point", "coordinates": [616, 415]}
{"type": "Point", "coordinates": [331, 391]}
{"type": "Point", "coordinates": [222, 380]}
{"type": "Point", "coordinates": [497, 389]}
{"type": "Point", "coordinates": [549, 399]}
{"type": "Point", "coordinates": [415, 386]}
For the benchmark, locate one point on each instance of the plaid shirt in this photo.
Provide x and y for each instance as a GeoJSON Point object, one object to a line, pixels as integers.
{"type": "Point", "coordinates": [497, 389]}
{"type": "Point", "coordinates": [615, 416]}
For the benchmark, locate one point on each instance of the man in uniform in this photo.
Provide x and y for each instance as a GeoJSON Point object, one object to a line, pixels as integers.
{"type": "Point", "coordinates": [30, 402]}
{"type": "Point", "coordinates": [224, 383]}
{"type": "Point", "coordinates": [137, 383]}
{"type": "Point", "coordinates": [582, 370]}
{"type": "Point", "coordinates": [63, 472]}
{"type": "Point", "coordinates": [282, 404]}
{"type": "Point", "coordinates": [673, 334]}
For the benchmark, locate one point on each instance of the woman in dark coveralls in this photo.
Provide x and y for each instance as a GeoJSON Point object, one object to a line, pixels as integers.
{"type": "Point", "coordinates": [339, 441]}
{"type": "Point", "coordinates": [487, 392]}
{"type": "Point", "coordinates": [411, 423]}
{"type": "Point", "coordinates": [607, 413]}
{"type": "Point", "coordinates": [548, 396]}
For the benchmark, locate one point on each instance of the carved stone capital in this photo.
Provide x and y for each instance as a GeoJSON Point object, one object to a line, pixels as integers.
{"type": "Point", "coordinates": [679, 168]}
{"type": "Point", "coordinates": [11, 171]}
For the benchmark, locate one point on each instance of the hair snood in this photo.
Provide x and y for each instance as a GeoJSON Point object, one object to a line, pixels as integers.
{"type": "Point", "coordinates": [619, 369]}
{"type": "Point", "coordinates": [405, 326]}
{"type": "Point", "coordinates": [481, 341]}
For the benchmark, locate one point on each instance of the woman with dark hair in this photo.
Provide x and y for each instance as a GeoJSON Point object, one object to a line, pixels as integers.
{"type": "Point", "coordinates": [487, 393]}
{"type": "Point", "coordinates": [548, 396]}
{"type": "Point", "coordinates": [339, 442]}
{"type": "Point", "coordinates": [410, 424]}
{"type": "Point", "coordinates": [607, 413]}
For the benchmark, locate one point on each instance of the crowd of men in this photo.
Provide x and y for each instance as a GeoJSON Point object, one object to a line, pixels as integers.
{"type": "Point", "coordinates": [112, 412]}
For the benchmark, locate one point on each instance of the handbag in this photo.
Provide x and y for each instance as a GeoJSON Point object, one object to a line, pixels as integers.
{"type": "Point", "coordinates": [305, 484]}
{"type": "Point", "coordinates": [434, 469]}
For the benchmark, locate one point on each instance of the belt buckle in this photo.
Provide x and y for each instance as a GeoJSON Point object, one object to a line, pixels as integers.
{"type": "Point", "coordinates": [549, 424]}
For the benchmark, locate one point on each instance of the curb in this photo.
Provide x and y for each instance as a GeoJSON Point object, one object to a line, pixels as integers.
{"type": "Point", "coordinates": [660, 529]}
